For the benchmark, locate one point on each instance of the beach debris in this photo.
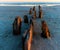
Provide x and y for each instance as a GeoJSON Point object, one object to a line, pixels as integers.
{"type": "Point", "coordinates": [45, 31]}
{"type": "Point", "coordinates": [27, 38]}
{"type": "Point", "coordinates": [25, 19]}
{"type": "Point", "coordinates": [30, 11]}
{"type": "Point", "coordinates": [17, 25]}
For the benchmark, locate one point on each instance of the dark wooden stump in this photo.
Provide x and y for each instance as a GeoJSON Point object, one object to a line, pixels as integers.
{"type": "Point", "coordinates": [39, 7]}
{"type": "Point", "coordinates": [40, 14]}
{"type": "Point", "coordinates": [17, 26]}
{"type": "Point", "coordinates": [34, 8]}
{"type": "Point", "coordinates": [27, 38]}
{"type": "Point", "coordinates": [25, 19]}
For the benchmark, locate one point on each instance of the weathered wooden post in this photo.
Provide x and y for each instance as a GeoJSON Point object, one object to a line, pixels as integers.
{"type": "Point", "coordinates": [45, 30]}
{"type": "Point", "coordinates": [39, 7]}
{"type": "Point", "coordinates": [27, 39]}
{"type": "Point", "coordinates": [40, 12]}
{"type": "Point", "coordinates": [24, 40]}
{"type": "Point", "coordinates": [25, 19]}
{"type": "Point", "coordinates": [34, 15]}
{"type": "Point", "coordinates": [17, 26]}
{"type": "Point", "coordinates": [34, 8]}
{"type": "Point", "coordinates": [30, 38]}
{"type": "Point", "coordinates": [30, 11]}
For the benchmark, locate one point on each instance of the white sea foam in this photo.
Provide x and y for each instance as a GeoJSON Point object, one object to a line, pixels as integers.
{"type": "Point", "coordinates": [29, 4]}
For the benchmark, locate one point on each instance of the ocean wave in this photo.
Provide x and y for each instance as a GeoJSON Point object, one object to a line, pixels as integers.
{"type": "Point", "coordinates": [29, 4]}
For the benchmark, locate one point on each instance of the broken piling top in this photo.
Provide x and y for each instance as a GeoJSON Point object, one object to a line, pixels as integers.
{"type": "Point", "coordinates": [44, 26]}
{"type": "Point", "coordinates": [39, 7]}
{"type": "Point", "coordinates": [19, 19]}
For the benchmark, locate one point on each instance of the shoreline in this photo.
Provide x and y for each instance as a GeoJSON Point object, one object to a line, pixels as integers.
{"type": "Point", "coordinates": [29, 5]}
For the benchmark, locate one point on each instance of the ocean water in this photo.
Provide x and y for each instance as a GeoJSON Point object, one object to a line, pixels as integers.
{"type": "Point", "coordinates": [12, 11]}
{"type": "Point", "coordinates": [51, 14]}
{"type": "Point", "coordinates": [7, 16]}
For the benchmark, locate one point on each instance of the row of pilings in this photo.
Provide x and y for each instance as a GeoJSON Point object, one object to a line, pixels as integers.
{"type": "Point", "coordinates": [28, 34]}
{"type": "Point", "coordinates": [45, 30]}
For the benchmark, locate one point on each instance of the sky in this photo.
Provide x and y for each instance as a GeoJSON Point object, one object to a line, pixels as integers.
{"type": "Point", "coordinates": [29, 0]}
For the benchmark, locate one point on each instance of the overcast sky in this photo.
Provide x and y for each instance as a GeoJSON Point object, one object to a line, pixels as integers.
{"type": "Point", "coordinates": [29, 0]}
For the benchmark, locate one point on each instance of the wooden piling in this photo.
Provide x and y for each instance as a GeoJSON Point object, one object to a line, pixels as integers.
{"type": "Point", "coordinates": [27, 39]}
{"type": "Point", "coordinates": [45, 30]}
{"type": "Point", "coordinates": [25, 19]}
{"type": "Point", "coordinates": [34, 8]}
{"type": "Point", "coordinates": [30, 38]}
{"type": "Point", "coordinates": [24, 40]}
{"type": "Point", "coordinates": [30, 11]}
{"type": "Point", "coordinates": [40, 12]}
{"type": "Point", "coordinates": [17, 26]}
{"type": "Point", "coordinates": [34, 15]}
{"type": "Point", "coordinates": [39, 7]}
